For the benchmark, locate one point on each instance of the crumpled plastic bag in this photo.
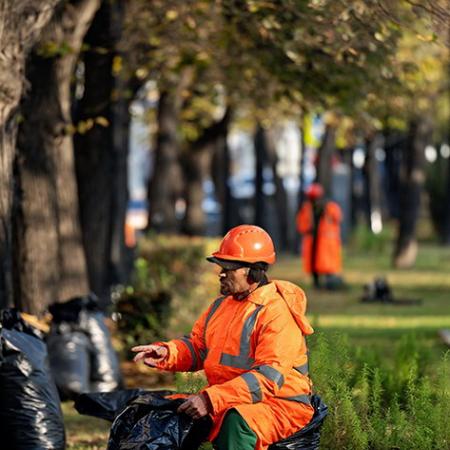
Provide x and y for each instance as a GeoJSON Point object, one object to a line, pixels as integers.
{"type": "Point", "coordinates": [106, 405]}
{"type": "Point", "coordinates": [145, 421]}
{"type": "Point", "coordinates": [30, 412]}
{"type": "Point", "coordinates": [308, 438]}
{"type": "Point", "coordinates": [82, 357]}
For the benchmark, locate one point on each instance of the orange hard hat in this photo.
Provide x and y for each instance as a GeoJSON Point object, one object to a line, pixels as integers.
{"type": "Point", "coordinates": [246, 243]}
{"type": "Point", "coordinates": [314, 191]}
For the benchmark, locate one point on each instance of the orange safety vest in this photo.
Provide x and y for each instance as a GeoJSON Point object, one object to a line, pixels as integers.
{"type": "Point", "coordinates": [254, 355]}
{"type": "Point", "coordinates": [328, 258]}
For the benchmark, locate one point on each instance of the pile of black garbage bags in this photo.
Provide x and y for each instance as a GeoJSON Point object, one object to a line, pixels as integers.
{"type": "Point", "coordinates": [37, 370]}
{"type": "Point", "coordinates": [148, 420]}
{"type": "Point", "coordinates": [30, 413]}
{"type": "Point", "coordinates": [82, 358]}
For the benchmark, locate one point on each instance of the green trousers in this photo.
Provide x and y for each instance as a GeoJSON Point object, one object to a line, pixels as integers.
{"type": "Point", "coordinates": [235, 434]}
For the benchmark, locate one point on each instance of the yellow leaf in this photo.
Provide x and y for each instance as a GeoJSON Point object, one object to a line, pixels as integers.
{"type": "Point", "coordinates": [379, 37]}
{"type": "Point", "coordinates": [171, 14]}
{"type": "Point", "coordinates": [191, 23]}
{"type": "Point", "coordinates": [89, 124]}
{"type": "Point", "coordinates": [429, 38]}
{"type": "Point", "coordinates": [81, 127]}
{"type": "Point", "coordinates": [103, 121]}
{"type": "Point", "coordinates": [117, 65]}
{"type": "Point", "coordinates": [70, 129]}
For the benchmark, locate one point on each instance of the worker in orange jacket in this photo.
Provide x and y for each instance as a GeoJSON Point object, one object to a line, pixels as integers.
{"type": "Point", "coordinates": [251, 344]}
{"type": "Point", "coordinates": [319, 222]}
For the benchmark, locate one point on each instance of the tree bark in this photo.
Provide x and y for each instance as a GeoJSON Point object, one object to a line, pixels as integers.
{"type": "Point", "coordinates": [260, 161]}
{"type": "Point", "coordinates": [375, 208]}
{"type": "Point", "coordinates": [281, 202]}
{"type": "Point", "coordinates": [325, 154]}
{"type": "Point", "coordinates": [51, 265]}
{"type": "Point", "coordinates": [101, 154]}
{"type": "Point", "coordinates": [412, 178]}
{"type": "Point", "coordinates": [220, 174]}
{"type": "Point", "coordinates": [446, 219]}
{"type": "Point", "coordinates": [195, 162]}
{"type": "Point", "coordinates": [165, 184]}
{"type": "Point", "coordinates": [21, 22]}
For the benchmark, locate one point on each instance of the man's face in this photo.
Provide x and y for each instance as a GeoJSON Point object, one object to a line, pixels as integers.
{"type": "Point", "coordinates": [234, 281]}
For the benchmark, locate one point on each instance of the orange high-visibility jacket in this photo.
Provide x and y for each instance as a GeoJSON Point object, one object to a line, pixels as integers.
{"type": "Point", "coordinates": [328, 257]}
{"type": "Point", "coordinates": [254, 355]}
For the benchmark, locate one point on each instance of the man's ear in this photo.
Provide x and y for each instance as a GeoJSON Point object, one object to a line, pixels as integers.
{"type": "Point", "coordinates": [255, 275]}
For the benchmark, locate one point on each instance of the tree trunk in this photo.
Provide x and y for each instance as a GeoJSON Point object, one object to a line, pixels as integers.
{"type": "Point", "coordinates": [446, 219]}
{"type": "Point", "coordinates": [51, 267]}
{"type": "Point", "coordinates": [260, 161]}
{"type": "Point", "coordinates": [120, 254]}
{"type": "Point", "coordinates": [373, 182]}
{"type": "Point", "coordinates": [195, 162]}
{"type": "Point", "coordinates": [220, 173]}
{"type": "Point", "coordinates": [302, 163]}
{"type": "Point", "coordinates": [165, 184]}
{"type": "Point", "coordinates": [101, 154]}
{"type": "Point", "coordinates": [325, 155]}
{"type": "Point", "coordinates": [412, 178]}
{"type": "Point", "coordinates": [21, 23]}
{"type": "Point", "coordinates": [281, 202]}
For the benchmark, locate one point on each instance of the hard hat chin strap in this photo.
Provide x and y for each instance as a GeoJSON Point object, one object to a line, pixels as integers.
{"type": "Point", "coordinates": [243, 295]}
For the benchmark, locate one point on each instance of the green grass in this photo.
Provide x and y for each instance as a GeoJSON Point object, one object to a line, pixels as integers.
{"type": "Point", "coordinates": [376, 325]}
{"type": "Point", "coordinates": [377, 333]}
{"type": "Point", "coordinates": [82, 432]}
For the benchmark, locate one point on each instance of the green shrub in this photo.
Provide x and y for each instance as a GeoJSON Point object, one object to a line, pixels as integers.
{"type": "Point", "coordinates": [142, 316]}
{"type": "Point", "coordinates": [189, 382]}
{"type": "Point", "coordinates": [170, 275]}
{"type": "Point", "coordinates": [380, 407]}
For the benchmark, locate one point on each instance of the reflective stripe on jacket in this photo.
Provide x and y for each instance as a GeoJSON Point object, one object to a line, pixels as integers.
{"type": "Point", "coordinates": [255, 359]}
{"type": "Point", "coordinates": [328, 257]}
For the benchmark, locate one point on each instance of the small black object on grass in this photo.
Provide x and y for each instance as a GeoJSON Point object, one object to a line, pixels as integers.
{"type": "Point", "coordinates": [379, 291]}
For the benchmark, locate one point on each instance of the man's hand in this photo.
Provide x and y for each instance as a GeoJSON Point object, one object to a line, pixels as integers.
{"type": "Point", "coordinates": [151, 354]}
{"type": "Point", "coordinates": [195, 406]}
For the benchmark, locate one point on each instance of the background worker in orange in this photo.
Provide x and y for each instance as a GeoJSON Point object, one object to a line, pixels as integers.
{"type": "Point", "coordinates": [250, 343]}
{"type": "Point", "coordinates": [318, 220]}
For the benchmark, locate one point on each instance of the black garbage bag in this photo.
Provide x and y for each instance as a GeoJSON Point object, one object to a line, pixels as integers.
{"type": "Point", "coordinates": [105, 369]}
{"type": "Point", "coordinates": [106, 405]}
{"type": "Point", "coordinates": [82, 356]}
{"type": "Point", "coordinates": [145, 420]}
{"type": "Point", "coordinates": [308, 438]}
{"type": "Point", "coordinates": [30, 413]}
{"type": "Point", "coordinates": [69, 353]}
{"type": "Point", "coordinates": [150, 422]}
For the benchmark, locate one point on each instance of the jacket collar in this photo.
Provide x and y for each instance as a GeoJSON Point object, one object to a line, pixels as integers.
{"type": "Point", "coordinates": [262, 294]}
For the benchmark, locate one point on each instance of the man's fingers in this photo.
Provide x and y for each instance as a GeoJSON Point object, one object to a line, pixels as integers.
{"type": "Point", "coordinates": [139, 356]}
{"type": "Point", "coordinates": [143, 348]}
{"type": "Point", "coordinates": [193, 407]}
{"type": "Point", "coordinates": [183, 407]}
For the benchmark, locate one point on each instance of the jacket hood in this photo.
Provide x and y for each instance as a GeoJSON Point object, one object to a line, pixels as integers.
{"type": "Point", "coordinates": [295, 299]}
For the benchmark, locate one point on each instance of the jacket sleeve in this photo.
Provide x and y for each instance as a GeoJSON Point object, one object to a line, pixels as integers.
{"type": "Point", "coordinates": [334, 212]}
{"type": "Point", "coordinates": [186, 354]}
{"type": "Point", "coordinates": [277, 345]}
{"type": "Point", "coordinates": [303, 220]}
